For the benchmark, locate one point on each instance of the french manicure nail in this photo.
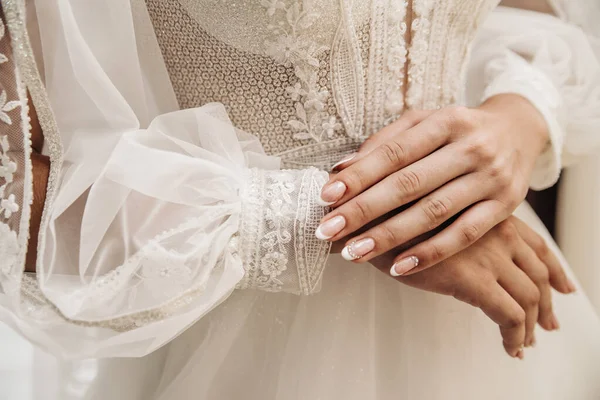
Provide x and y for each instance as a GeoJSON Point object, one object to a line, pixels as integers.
{"type": "Point", "coordinates": [332, 193]}
{"type": "Point", "coordinates": [555, 324]}
{"type": "Point", "coordinates": [358, 249]}
{"type": "Point", "coordinates": [343, 160]}
{"type": "Point", "coordinates": [404, 265]}
{"type": "Point", "coordinates": [571, 286]}
{"type": "Point", "coordinates": [521, 354]}
{"type": "Point", "coordinates": [330, 228]}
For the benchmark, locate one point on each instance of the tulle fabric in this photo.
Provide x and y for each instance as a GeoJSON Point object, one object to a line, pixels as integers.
{"type": "Point", "coordinates": [363, 337]}
{"type": "Point", "coordinates": [140, 240]}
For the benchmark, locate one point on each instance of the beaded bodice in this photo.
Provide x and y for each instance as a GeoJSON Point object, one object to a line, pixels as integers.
{"type": "Point", "coordinates": [315, 76]}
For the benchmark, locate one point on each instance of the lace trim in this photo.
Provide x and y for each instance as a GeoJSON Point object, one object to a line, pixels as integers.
{"type": "Point", "coordinates": [395, 59]}
{"type": "Point", "coordinates": [13, 241]}
{"type": "Point", "coordinates": [276, 245]}
{"type": "Point", "coordinates": [421, 30]}
{"type": "Point", "coordinates": [347, 76]}
{"type": "Point", "coordinates": [292, 46]}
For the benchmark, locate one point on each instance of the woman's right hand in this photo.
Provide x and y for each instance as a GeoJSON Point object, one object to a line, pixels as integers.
{"type": "Point", "coordinates": [508, 274]}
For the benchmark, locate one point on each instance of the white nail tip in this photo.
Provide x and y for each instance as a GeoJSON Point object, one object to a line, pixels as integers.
{"type": "Point", "coordinates": [342, 161]}
{"type": "Point", "coordinates": [324, 203]}
{"type": "Point", "coordinates": [320, 235]}
{"type": "Point", "coordinates": [346, 254]}
{"type": "Point", "coordinates": [393, 271]}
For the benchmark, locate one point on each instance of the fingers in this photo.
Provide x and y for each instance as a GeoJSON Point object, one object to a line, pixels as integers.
{"type": "Point", "coordinates": [408, 120]}
{"type": "Point", "coordinates": [523, 290]}
{"type": "Point", "coordinates": [501, 308]}
{"type": "Point", "coordinates": [405, 186]}
{"type": "Point", "coordinates": [403, 149]}
{"type": "Point", "coordinates": [462, 233]}
{"type": "Point", "coordinates": [558, 278]}
{"type": "Point", "coordinates": [423, 216]}
{"type": "Point", "coordinates": [526, 259]}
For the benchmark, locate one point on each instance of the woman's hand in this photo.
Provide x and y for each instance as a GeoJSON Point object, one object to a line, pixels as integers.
{"type": "Point", "coordinates": [507, 273]}
{"type": "Point", "coordinates": [477, 162]}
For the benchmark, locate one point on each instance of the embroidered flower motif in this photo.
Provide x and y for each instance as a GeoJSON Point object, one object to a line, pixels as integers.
{"type": "Point", "coordinates": [272, 6]}
{"type": "Point", "coordinates": [3, 57]}
{"type": "Point", "coordinates": [329, 127]}
{"type": "Point", "coordinates": [293, 47]}
{"type": "Point", "coordinates": [273, 264]}
{"type": "Point", "coordinates": [296, 91]}
{"type": "Point", "coordinates": [6, 107]}
{"type": "Point", "coordinates": [9, 206]}
{"type": "Point", "coordinates": [9, 248]}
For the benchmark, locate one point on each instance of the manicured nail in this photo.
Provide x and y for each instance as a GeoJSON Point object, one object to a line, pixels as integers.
{"type": "Point", "coordinates": [332, 193]}
{"type": "Point", "coordinates": [571, 286]}
{"type": "Point", "coordinates": [343, 160]}
{"type": "Point", "coordinates": [555, 324]}
{"type": "Point", "coordinates": [404, 265]}
{"type": "Point", "coordinates": [358, 249]}
{"type": "Point", "coordinates": [521, 354]}
{"type": "Point", "coordinates": [330, 228]}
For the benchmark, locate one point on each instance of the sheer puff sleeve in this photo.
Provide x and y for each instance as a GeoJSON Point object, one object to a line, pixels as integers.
{"type": "Point", "coordinates": [553, 65]}
{"type": "Point", "coordinates": [153, 218]}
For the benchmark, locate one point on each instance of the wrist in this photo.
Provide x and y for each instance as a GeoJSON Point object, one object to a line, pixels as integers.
{"type": "Point", "coordinates": [517, 114]}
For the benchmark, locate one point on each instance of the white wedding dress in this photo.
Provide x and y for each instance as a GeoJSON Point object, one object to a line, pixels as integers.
{"type": "Point", "coordinates": [171, 236]}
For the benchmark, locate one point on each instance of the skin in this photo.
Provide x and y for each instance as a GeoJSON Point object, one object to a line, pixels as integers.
{"type": "Point", "coordinates": [468, 166]}
{"type": "Point", "coordinates": [509, 274]}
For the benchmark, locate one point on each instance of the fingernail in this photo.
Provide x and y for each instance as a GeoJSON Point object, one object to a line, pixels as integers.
{"type": "Point", "coordinates": [521, 354]}
{"type": "Point", "coordinates": [358, 249]}
{"type": "Point", "coordinates": [533, 342]}
{"type": "Point", "coordinates": [332, 193]}
{"type": "Point", "coordinates": [555, 324]}
{"type": "Point", "coordinates": [571, 286]}
{"type": "Point", "coordinates": [404, 265]}
{"type": "Point", "coordinates": [330, 228]}
{"type": "Point", "coordinates": [343, 160]}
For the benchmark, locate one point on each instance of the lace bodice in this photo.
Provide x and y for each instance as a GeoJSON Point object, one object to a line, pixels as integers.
{"type": "Point", "coordinates": [299, 72]}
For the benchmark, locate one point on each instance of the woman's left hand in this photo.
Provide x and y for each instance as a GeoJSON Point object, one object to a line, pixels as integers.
{"type": "Point", "coordinates": [477, 162]}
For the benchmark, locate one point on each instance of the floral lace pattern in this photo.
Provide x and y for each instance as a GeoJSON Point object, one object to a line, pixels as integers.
{"type": "Point", "coordinates": [9, 246]}
{"type": "Point", "coordinates": [276, 256]}
{"type": "Point", "coordinates": [396, 58]}
{"type": "Point", "coordinates": [292, 47]}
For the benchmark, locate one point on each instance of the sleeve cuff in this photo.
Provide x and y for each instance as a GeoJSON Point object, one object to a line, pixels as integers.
{"type": "Point", "coordinates": [277, 243]}
{"type": "Point", "coordinates": [524, 80]}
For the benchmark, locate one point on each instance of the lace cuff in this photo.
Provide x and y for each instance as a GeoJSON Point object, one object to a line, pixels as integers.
{"type": "Point", "coordinates": [519, 77]}
{"type": "Point", "coordinates": [277, 243]}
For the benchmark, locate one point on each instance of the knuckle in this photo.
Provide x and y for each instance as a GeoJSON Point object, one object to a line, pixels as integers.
{"type": "Point", "coordinates": [407, 182]}
{"type": "Point", "coordinates": [533, 298]}
{"type": "Point", "coordinates": [437, 210]}
{"type": "Point", "coordinates": [359, 212]}
{"type": "Point", "coordinates": [461, 118]}
{"type": "Point", "coordinates": [483, 152]}
{"type": "Point", "coordinates": [353, 178]}
{"type": "Point", "coordinates": [507, 231]}
{"type": "Point", "coordinates": [541, 277]}
{"type": "Point", "coordinates": [435, 253]}
{"type": "Point", "coordinates": [470, 233]}
{"type": "Point", "coordinates": [392, 152]}
{"type": "Point", "coordinates": [515, 319]}
{"type": "Point", "coordinates": [386, 237]}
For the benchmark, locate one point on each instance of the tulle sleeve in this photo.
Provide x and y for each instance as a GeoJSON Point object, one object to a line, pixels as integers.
{"type": "Point", "coordinates": [154, 215]}
{"type": "Point", "coordinates": [553, 65]}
